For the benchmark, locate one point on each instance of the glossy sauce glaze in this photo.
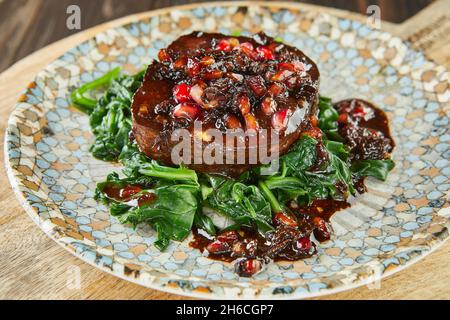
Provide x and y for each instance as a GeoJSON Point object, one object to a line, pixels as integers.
{"type": "Point", "coordinates": [225, 83]}
{"type": "Point", "coordinates": [134, 195]}
{"type": "Point", "coordinates": [365, 131]}
{"type": "Point", "coordinates": [289, 241]}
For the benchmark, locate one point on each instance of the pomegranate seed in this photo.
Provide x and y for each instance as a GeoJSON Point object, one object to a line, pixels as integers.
{"type": "Point", "coordinates": [236, 77]}
{"type": "Point", "coordinates": [342, 118]}
{"type": "Point", "coordinates": [233, 122]}
{"type": "Point", "coordinates": [280, 119]}
{"type": "Point", "coordinates": [193, 67]}
{"type": "Point", "coordinates": [163, 56]}
{"type": "Point", "coordinates": [248, 49]}
{"type": "Point", "coordinates": [276, 89]}
{"type": "Point", "coordinates": [182, 92]}
{"type": "Point", "coordinates": [248, 267]}
{"type": "Point", "coordinates": [129, 191]}
{"type": "Point", "coordinates": [359, 111]}
{"type": "Point", "coordinates": [291, 66]}
{"type": "Point", "coordinates": [286, 66]}
{"type": "Point", "coordinates": [321, 231]}
{"type": "Point", "coordinates": [180, 63]}
{"type": "Point", "coordinates": [186, 110]}
{"type": "Point", "coordinates": [250, 122]}
{"type": "Point", "coordinates": [256, 84]}
{"type": "Point", "coordinates": [303, 244]}
{"type": "Point", "coordinates": [265, 53]}
{"type": "Point", "coordinates": [268, 106]}
{"type": "Point", "coordinates": [214, 74]}
{"type": "Point", "coordinates": [218, 247]}
{"type": "Point", "coordinates": [283, 219]}
{"type": "Point", "coordinates": [244, 104]}
{"type": "Point", "coordinates": [228, 236]}
{"type": "Point", "coordinates": [291, 82]}
{"type": "Point", "coordinates": [207, 60]}
{"type": "Point", "coordinates": [247, 46]}
{"type": "Point", "coordinates": [281, 75]}
{"type": "Point", "coordinates": [223, 45]}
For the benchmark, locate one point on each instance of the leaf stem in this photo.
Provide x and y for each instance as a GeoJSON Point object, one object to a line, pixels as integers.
{"type": "Point", "coordinates": [276, 207]}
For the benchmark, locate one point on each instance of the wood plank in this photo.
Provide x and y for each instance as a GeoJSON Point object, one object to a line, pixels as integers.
{"type": "Point", "coordinates": [29, 27]}
{"type": "Point", "coordinates": [33, 266]}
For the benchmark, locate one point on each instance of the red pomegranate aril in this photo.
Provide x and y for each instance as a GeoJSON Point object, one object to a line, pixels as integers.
{"type": "Point", "coordinates": [374, 132]}
{"type": "Point", "coordinates": [265, 53]}
{"type": "Point", "coordinates": [281, 75]}
{"type": "Point", "coordinates": [193, 67]}
{"type": "Point", "coordinates": [256, 84]}
{"type": "Point", "coordinates": [214, 74]}
{"type": "Point", "coordinates": [343, 118]}
{"type": "Point", "coordinates": [236, 77]}
{"type": "Point", "coordinates": [283, 219]}
{"type": "Point", "coordinates": [321, 232]}
{"type": "Point", "coordinates": [228, 236]}
{"type": "Point", "coordinates": [247, 46]}
{"type": "Point", "coordinates": [207, 60]}
{"type": "Point", "coordinates": [186, 110]}
{"type": "Point", "coordinates": [291, 66]}
{"type": "Point", "coordinates": [276, 89]}
{"type": "Point", "coordinates": [359, 112]}
{"type": "Point", "coordinates": [223, 45]}
{"type": "Point", "coordinates": [129, 191]}
{"type": "Point", "coordinates": [218, 247]}
{"type": "Point", "coordinates": [233, 122]}
{"type": "Point", "coordinates": [248, 49]}
{"type": "Point", "coordinates": [268, 106]}
{"type": "Point", "coordinates": [303, 244]}
{"type": "Point", "coordinates": [250, 122]}
{"type": "Point", "coordinates": [182, 92]}
{"type": "Point", "coordinates": [163, 56]}
{"type": "Point", "coordinates": [280, 119]}
{"type": "Point", "coordinates": [180, 63]}
{"type": "Point", "coordinates": [248, 267]}
{"type": "Point", "coordinates": [244, 104]}
{"type": "Point", "coordinates": [291, 82]}
{"type": "Point", "coordinates": [286, 66]}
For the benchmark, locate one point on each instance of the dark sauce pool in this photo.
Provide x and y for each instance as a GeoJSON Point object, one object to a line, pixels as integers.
{"type": "Point", "coordinates": [365, 131]}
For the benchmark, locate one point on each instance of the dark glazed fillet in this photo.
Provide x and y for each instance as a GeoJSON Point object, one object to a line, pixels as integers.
{"type": "Point", "coordinates": [226, 83]}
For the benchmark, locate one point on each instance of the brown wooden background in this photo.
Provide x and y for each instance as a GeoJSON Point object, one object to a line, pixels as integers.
{"type": "Point", "coordinates": [28, 25]}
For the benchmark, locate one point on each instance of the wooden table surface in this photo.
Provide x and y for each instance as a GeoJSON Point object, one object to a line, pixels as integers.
{"type": "Point", "coordinates": [32, 266]}
{"type": "Point", "coordinates": [25, 25]}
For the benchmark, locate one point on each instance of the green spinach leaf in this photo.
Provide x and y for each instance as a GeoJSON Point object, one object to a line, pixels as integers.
{"type": "Point", "coordinates": [374, 168]}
